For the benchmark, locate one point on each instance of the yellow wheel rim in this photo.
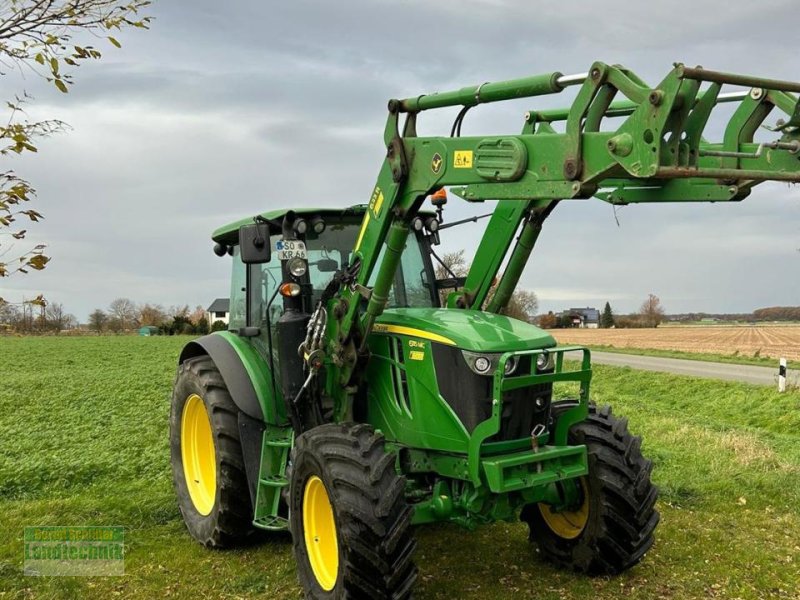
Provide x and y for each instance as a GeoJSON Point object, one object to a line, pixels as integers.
{"type": "Point", "coordinates": [568, 524]}
{"type": "Point", "coordinates": [319, 530]}
{"type": "Point", "coordinates": [197, 452]}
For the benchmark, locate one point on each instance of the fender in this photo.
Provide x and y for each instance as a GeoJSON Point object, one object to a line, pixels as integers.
{"type": "Point", "coordinates": [245, 375]}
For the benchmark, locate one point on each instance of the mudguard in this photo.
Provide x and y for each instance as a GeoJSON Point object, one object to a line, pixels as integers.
{"type": "Point", "coordinates": [246, 376]}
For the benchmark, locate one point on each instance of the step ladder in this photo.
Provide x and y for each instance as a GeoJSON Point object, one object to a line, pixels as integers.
{"type": "Point", "coordinates": [275, 447]}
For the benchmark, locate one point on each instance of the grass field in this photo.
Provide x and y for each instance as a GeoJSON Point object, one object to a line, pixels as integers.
{"type": "Point", "coordinates": [83, 441]}
{"type": "Point", "coordinates": [732, 341]}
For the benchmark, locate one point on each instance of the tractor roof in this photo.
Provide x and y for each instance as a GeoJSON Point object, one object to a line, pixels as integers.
{"type": "Point", "coordinates": [230, 233]}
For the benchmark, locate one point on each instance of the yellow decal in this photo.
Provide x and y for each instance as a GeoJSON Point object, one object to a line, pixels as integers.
{"type": "Point", "coordinates": [462, 159]}
{"type": "Point", "coordinates": [399, 329]}
{"type": "Point", "coordinates": [363, 230]}
{"type": "Point", "coordinates": [376, 201]}
{"type": "Point", "coordinates": [416, 355]}
{"type": "Point", "coordinates": [416, 344]}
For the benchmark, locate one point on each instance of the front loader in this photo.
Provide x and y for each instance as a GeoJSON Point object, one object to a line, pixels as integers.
{"type": "Point", "coordinates": [355, 394]}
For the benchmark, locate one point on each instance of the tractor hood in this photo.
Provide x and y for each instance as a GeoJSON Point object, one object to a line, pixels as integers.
{"type": "Point", "coordinates": [467, 329]}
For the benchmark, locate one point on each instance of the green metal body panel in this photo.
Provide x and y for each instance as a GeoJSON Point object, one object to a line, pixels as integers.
{"type": "Point", "coordinates": [418, 418]}
{"type": "Point", "coordinates": [384, 358]}
{"type": "Point", "coordinates": [469, 329]}
{"type": "Point", "coordinates": [257, 368]}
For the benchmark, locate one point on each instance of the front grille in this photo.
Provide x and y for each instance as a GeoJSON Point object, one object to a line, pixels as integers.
{"type": "Point", "coordinates": [470, 396]}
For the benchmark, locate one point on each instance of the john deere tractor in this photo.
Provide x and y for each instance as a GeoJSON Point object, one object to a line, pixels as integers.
{"type": "Point", "coordinates": [356, 394]}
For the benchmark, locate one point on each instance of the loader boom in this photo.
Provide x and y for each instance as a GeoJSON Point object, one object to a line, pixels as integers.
{"type": "Point", "coordinates": [657, 154]}
{"type": "Point", "coordinates": [361, 406]}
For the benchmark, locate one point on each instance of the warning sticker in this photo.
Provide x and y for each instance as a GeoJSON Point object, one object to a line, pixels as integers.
{"type": "Point", "coordinates": [462, 159]}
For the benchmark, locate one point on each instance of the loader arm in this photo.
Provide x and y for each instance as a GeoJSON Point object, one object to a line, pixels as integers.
{"type": "Point", "coordinates": [657, 154]}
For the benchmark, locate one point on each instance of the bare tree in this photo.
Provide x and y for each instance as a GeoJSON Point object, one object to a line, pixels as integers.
{"type": "Point", "coordinates": [37, 37]}
{"type": "Point", "coordinates": [181, 312]}
{"type": "Point", "coordinates": [198, 313]}
{"type": "Point", "coordinates": [97, 320]}
{"type": "Point", "coordinates": [652, 312]}
{"type": "Point", "coordinates": [56, 318]}
{"type": "Point", "coordinates": [548, 321]}
{"type": "Point", "coordinates": [522, 305]}
{"type": "Point", "coordinates": [152, 314]}
{"type": "Point", "coordinates": [452, 264]}
{"type": "Point", "coordinates": [122, 314]}
{"type": "Point", "coordinates": [10, 316]}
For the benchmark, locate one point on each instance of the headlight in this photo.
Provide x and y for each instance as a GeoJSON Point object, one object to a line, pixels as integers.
{"type": "Point", "coordinates": [485, 364]}
{"type": "Point", "coordinates": [482, 364]}
{"type": "Point", "coordinates": [297, 267]}
{"type": "Point", "coordinates": [300, 226]}
{"type": "Point", "coordinates": [317, 225]}
{"type": "Point", "coordinates": [511, 365]}
{"type": "Point", "coordinates": [545, 361]}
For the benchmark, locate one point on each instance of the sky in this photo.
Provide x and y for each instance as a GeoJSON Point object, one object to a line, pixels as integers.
{"type": "Point", "coordinates": [226, 109]}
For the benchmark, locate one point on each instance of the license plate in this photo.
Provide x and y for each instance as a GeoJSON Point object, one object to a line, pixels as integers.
{"type": "Point", "coordinates": [288, 249]}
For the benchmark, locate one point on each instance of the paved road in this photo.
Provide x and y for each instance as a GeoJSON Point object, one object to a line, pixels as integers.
{"type": "Point", "coordinates": [698, 368]}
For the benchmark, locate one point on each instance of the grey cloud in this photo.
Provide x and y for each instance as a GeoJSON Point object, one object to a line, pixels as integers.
{"type": "Point", "coordinates": [227, 109]}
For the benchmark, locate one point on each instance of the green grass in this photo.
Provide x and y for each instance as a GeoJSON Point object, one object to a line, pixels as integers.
{"type": "Point", "coordinates": [83, 441]}
{"type": "Point", "coordinates": [733, 358]}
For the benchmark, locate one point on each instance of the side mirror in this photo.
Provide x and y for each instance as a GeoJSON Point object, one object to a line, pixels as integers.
{"type": "Point", "coordinates": [254, 245]}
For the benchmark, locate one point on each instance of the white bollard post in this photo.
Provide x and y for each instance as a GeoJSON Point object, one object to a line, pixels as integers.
{"type": "Point", "coordinates": [782, 376]}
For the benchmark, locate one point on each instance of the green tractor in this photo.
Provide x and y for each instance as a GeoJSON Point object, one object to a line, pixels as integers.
{"type": "Point", "coordinates": [355, 394]}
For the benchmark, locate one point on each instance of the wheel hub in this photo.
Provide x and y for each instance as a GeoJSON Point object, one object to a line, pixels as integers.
{"type": "Point", "coordinates": [568, 523]}
{"type": "Point", "coordinates": [198, 456]}
{"type": "Point", "coordinates": [319, 530]}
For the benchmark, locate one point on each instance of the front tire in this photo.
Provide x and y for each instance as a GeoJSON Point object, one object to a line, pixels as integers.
{"type": "Point", "coordinates": [349, 519]}
{"type": "Point", "coordinates": [206, 455]}
{"type": "Point", "coordinates": [610, 527]}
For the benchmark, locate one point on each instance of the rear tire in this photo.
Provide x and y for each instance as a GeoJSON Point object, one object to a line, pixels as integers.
{"type": "Point", "coordinates": [612, 526]}
{"type": "Point", "coordinates": [212, 491]}
{"type": "Point", "coordinates": [350, 523]}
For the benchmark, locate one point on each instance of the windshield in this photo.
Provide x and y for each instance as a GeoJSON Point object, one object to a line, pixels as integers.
{"type": "Point", "coordinates": [411, 287]}
{"type": "Point", "coordinates": [330, 251]}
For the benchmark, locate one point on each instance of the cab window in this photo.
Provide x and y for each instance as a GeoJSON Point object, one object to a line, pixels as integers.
{"type": "Point", "coordinates": [329, 252]}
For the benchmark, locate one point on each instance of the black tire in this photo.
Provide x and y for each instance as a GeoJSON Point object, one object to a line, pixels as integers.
{"type": "Point", "coordinates": [621, 519]}
{"type": "Point", "coordinates": [229, 521]}
{"type": "Point", "coordinates": [372, 518]}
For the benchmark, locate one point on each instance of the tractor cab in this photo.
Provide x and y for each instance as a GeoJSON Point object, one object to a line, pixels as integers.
{"type": "Point", "coordinates": [327, 238]}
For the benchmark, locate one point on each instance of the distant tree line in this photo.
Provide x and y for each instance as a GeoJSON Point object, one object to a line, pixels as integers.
{"type": "Point", "coordinates": [651, 314]}
{"type": "Point", "coordinates": [38, 316]}
{"type": "Point", "coordinates": [124, 315]}
{"type": "Point", "coordinates": [704, 316]}
{"type": "Point", "coordinates": [35, 316]}
{"type": "Point", "coordinates": [777, 313]}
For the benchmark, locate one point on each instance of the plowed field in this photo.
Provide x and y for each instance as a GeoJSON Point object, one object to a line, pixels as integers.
{"type": "Point", "coordinates": [769, 341]}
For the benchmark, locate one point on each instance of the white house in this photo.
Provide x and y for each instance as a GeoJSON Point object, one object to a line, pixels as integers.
{"type": "Point", "coordinates": [219, 310]}
{"type": "Point", "coordinates": [585, 318]}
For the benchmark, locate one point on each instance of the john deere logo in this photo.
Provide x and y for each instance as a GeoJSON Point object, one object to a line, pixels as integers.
{"type": "Point", "coordinates": [436, 163]}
